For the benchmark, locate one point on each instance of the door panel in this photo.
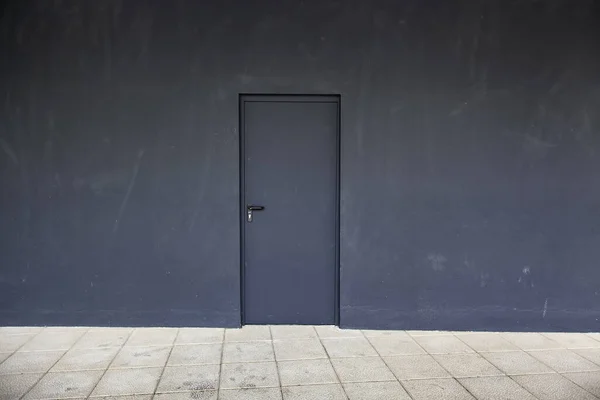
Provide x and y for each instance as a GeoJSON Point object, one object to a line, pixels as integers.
{"type": "Point", "coordinates": [290, 151]}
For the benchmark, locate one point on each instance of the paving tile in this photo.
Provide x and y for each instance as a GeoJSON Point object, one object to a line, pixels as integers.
{"type": "Point", "coordinates": [321, 392]}
{"type": "Point", "coordinates": [466, 365]}
{"type": "Point", "coordinates": [516, 363]}
{"type": "Point", "coordinates": [530, 341]}
{"type": "Point", "coordinates": [349, 347]}
{"type": "Point", "coordinates": [113, 330]}
{"type": "Point", "coordinates": [194, 354]}
{"type": "Point", "coordinates": [438, 389]}
{"type": "Point", "coordinates": [131, 397]}
{"type": "Point", "coordinates": [20, 330]}
{"type": "Point", "coordinates": [136, 357]}
{"type": "Point", "coordinates": [495, 387]}
{"type": "Point", "coordinates": [429, 333]}
{"type": "Point", "coordinates": [285, 332]}
{"type": "Point", "coordinates": [189, 378]}
{"type": "Point", "coordinates": [333, 332]}
{"type": "Point", "coordinates": [552, 387]}
{"type": "Point", "coordinates": [301, 349]}
{"type": "Point", "coordinates": [590, 381]}
{"type": "Point", "coordinates": [66, 328]}
{"type": "Point", "coordinates": [442, 344]}
{"type": "Point", "coordinates": [306, 372]}
{"type": "Point", "coordinates": [594, 335]}
{"type": "Point", "coordinates": [10, 343]}
{"type": "Point", "coordinates": [53, 340]}
{"type": "Point", "coordinates": [486, 342]}
{"type": "Point", "coordinates": [85, 359]}
{"type": "Point", "coordinates": [249, 375]}
{"type": "Point", "coordinates": [251, 394]}
{"type": "Point", "coordinates": [119, 382]}
{"type": "Point", "coordinates": [195, 395]}
{"type": "Point", "coordinates": [364, 369]}
{"type": "Point", "coordinates": [65, 384]}
{"type": "Point", "coordinates": [200, 335]}
{"type": "Point", "coordinates": [386, 334]}
{"type": "Point", "coordinates": [590, 354]}
{"type": "Point", "coordinates": [304, 368]}
{"type": "Point", "coordinates": [573, 340]}
{"type": "Point", "coordinates": [237, 352]}
{"type": "Point", "coordinates": [563, 360]}
{"type": "Point", "coordinates": [12, 387]}
{"type": "Point", "coordinates": [152, 337]}
{"type": "Point", "coordinates": [415, 367]}
{"type": "Point", "coordinates": [376, 391]}
{"type": "Point", "coordinates": [248, 333]}
{"type": "Point", "coordinates": [395, 345]}
{"type": "Point", "coordinates": [102, 338]}
{"type": "Point", "coordinates": [30, 362]}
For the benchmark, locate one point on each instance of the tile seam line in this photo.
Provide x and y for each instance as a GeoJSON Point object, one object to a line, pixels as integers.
{"type": "Point", "coordinates": [592, 361]}
{"type": "Point", "coordinates": [477, 351]}
{"type": "Point", "coordinates": [330, 363]}
{"type": "Point", "coordinates": [43, 374]}
{"type": "Point", "coordinates": [591, 335]}
{"type": "Point", "coordinates": [561, 373]}
{"type": "Point", "coordinates": [547, 373]}
{"type": "Point", "coordinates": [109, 364]}
{"type": "Point", "coordinates": [569, 350]}
{"type": "Point", "coordinates": [56, 362]}
{"type": "Point", "coordinates": [445, 369]}
{"type": "Point", "coordinates": [24, 343]}
{"type": "Point", "coordinates": [223, 337]}
{"type": "Point", "coordinates": [276, 361]}
{"type": "Point", "coordinates": [388, 367]}
{"type": "Point", "coordinates": [576, 384]}
{"type": "Point", "coordinates": [495, 366]}
{"type": "Point", "coordinates": [545, 334]}
{"type": "Point", "coordinates": [162, 372]}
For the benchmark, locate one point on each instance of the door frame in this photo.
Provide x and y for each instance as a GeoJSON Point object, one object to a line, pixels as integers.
{"type": "Point", "coordinates": [294, 98]}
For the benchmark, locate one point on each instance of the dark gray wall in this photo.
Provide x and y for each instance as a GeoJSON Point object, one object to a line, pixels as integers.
{"type": "Point", "coordinates": [470, 193]}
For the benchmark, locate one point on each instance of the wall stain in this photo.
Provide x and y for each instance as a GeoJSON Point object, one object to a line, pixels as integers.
{"type": "Point", "coordinates": [437, 261]}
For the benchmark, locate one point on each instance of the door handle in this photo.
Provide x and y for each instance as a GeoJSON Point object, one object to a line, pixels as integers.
{"type": "Point", "coordinates": [252, 208]}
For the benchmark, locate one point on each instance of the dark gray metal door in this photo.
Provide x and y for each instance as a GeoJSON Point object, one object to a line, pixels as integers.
{"type": "Point", "coordinates": [290, 167]}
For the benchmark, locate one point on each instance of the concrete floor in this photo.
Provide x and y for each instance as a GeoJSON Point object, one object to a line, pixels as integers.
{"type": "Point", "coordinates": [295, 362]}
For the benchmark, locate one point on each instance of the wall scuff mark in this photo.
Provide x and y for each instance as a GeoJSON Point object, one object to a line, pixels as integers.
{"type": "Point", "coordinates": [134, 174]}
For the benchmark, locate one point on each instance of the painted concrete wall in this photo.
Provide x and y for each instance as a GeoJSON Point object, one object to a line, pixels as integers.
{"type": "Point", "coordinates": [470, 193]}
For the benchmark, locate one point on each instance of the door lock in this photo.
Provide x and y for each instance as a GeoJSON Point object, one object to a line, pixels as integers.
{"type": "Point", "coordinates": [252, 208]}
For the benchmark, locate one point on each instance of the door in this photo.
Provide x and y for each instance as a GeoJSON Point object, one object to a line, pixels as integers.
{"type": "Point", "coordinates": [289, 151]}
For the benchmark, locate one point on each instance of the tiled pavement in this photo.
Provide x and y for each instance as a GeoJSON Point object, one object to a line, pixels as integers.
{"type": "Point", "coordinates": [295, 362]}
